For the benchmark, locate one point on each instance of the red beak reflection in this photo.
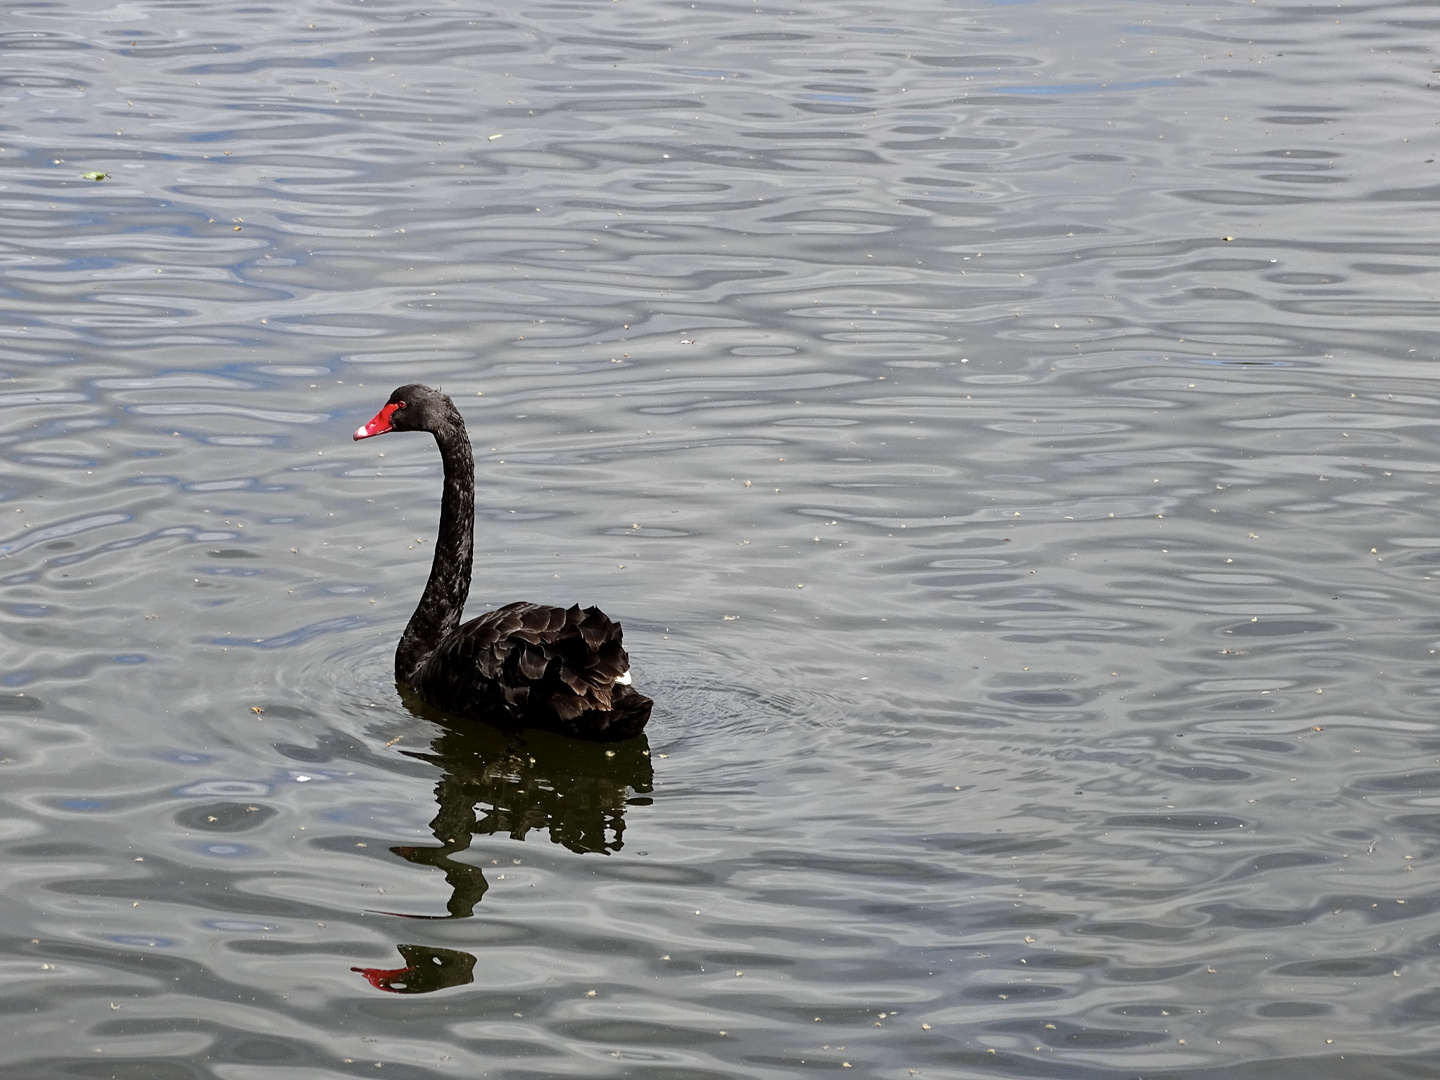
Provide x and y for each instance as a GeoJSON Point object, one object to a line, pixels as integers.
{"type": "Point", "coordinates": [426, 970]}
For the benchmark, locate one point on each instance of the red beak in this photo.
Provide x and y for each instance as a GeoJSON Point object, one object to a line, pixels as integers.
{"type": "Point", "coordinates": [378, 425]}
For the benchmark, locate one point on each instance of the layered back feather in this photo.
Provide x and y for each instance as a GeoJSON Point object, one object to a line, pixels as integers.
{"type": "Point", "coordinates": [538, 660]}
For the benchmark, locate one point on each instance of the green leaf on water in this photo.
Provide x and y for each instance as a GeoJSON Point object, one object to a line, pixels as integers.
{"type": "Point", "coordinates": [96, 176]}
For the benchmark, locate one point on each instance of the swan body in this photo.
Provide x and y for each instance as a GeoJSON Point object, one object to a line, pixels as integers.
{"type": "Point", "coordinates": [522, 665]}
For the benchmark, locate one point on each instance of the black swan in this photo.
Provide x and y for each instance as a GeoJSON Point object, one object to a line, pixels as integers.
{"type": "Point", "coordinates": [523, 665]}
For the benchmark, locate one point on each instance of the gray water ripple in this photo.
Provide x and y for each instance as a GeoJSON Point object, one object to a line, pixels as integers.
{"type": "Point", "coordinates": [969, 729]}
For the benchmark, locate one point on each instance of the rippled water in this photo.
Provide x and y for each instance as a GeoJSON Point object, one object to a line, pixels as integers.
{"type": "Point", "coordinates": [1063, 707]}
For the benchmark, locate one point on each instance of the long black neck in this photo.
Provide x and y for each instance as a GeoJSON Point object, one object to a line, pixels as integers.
{"type": "Point", "coordinates": [443, 601]}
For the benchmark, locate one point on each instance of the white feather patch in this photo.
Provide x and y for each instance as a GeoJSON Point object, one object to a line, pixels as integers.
{"type": "Point", "coordinates": [623, 680]}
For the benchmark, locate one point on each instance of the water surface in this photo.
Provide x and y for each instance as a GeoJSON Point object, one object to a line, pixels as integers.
{"type": "Point", "coordinates": [1004, 431]}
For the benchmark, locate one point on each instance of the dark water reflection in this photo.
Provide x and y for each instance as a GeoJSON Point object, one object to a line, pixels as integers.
{"type": "Point", "coordinates": [503, 782]}
{"type": "Point", "coordinates": [575, 793]}
{"type": "Point", "coordinates": [1006, 433]}
{"type": "Point", "coordinates": [425, 971]}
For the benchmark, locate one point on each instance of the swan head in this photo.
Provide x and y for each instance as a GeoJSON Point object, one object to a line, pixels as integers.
{"type": "Point", "coordinates": [411, 408]}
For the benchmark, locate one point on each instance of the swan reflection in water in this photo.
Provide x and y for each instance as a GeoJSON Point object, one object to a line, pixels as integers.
{"type": "Point", "coordinates": [425, 969]}
{"type": "Point", "coordinates": [493, 781]}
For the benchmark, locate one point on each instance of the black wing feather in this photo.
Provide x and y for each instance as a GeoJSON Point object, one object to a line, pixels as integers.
{"type": "Point", "coordinates": [525, 663]}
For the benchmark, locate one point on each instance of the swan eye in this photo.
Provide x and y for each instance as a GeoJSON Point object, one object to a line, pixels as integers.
{"type": "Point", "coordinates": [400, 404]}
